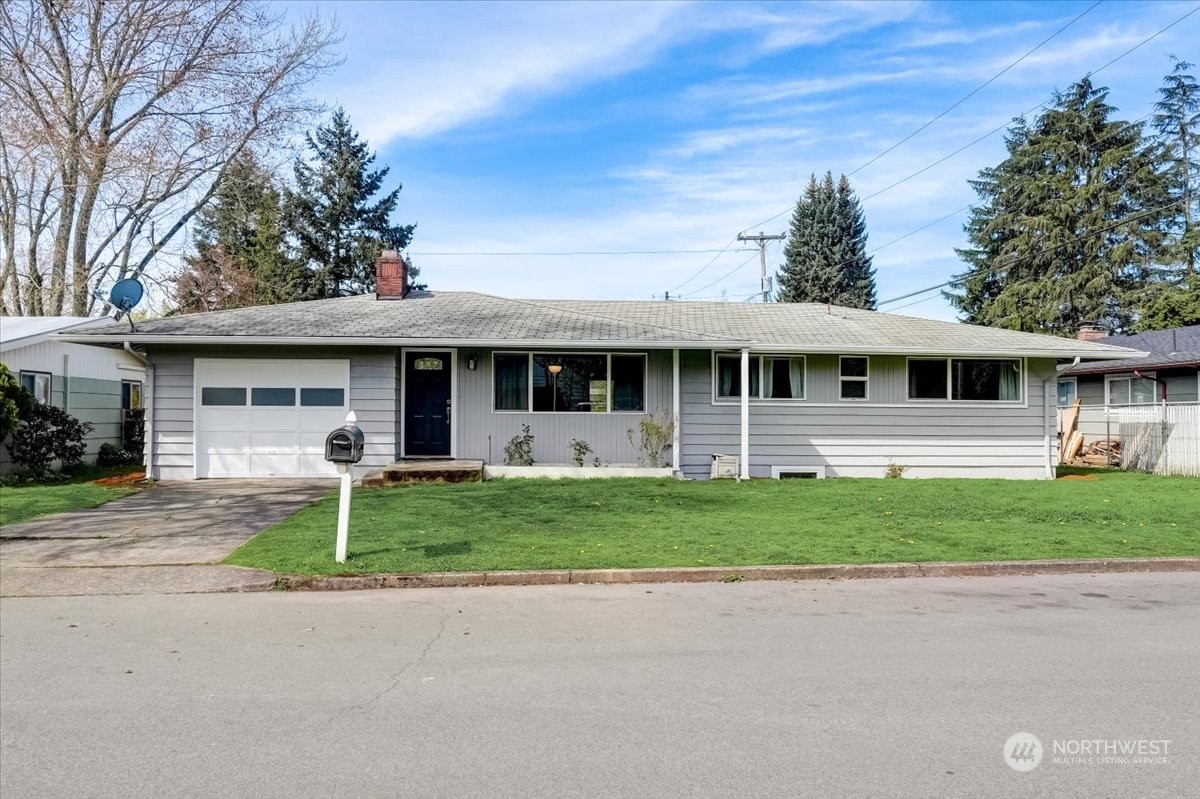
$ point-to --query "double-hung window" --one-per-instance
(772, 377)
(853, 373)
(569, 382)
(965, 379)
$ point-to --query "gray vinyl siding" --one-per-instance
(89, 400)
(1182, 385)
(372, 398)
(860, 438)
(481, 432)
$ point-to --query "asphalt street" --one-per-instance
(872, 688)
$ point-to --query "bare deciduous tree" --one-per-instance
(118, 119)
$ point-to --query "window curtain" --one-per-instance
(768, 376)
(1010, 388)
(725, 370)
(796, 377)
(512, 385)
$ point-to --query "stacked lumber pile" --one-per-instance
(1072, 440)
(1100, 453)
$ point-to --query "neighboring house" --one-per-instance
(91, 384)
(789, 389)
(1171, 372)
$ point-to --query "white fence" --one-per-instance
(1163, 438)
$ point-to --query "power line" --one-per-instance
(979, 88)
(1018, 258)
(704, 268)
(576, 252)
(1004, 126)
(720, 279)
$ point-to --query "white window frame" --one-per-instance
(757, 398)
(1022, 401)
(866, 379)
(1074, 391)
(37, 375)
(608, 356)
(1130, 376)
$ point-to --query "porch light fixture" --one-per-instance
(471, 363)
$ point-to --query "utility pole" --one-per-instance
(762, 240)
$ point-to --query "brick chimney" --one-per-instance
(391, 276)
(1091, 333)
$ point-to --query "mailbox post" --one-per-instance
(344, 447)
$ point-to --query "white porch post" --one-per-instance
(676, 405)
(744, 469)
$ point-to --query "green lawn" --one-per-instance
(580, 524)
(19, 504)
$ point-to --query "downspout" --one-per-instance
(1163, 383)
(1049, 452)
(744, 465)
(66, 381)
(677, 418)
(148, 412)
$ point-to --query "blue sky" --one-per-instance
(601, 127)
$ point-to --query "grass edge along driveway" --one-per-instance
(636, 523)
(23, 503)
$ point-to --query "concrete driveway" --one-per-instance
(172, 524)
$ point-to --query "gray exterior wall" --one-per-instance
(1182, 385)
(859, 439)
(481, 432)
(372, 397)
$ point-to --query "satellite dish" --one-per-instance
(125, 294)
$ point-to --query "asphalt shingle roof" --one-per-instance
(472, 317)
(1176, 347)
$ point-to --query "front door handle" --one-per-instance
(447, 411)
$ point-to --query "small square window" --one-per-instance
(39, 384)
(853, 373)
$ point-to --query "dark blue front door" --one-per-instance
(427, 403)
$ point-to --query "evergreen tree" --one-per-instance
(338, 224)
(1064, 234)
(825, 258)
(240, 258)
(1177, 122)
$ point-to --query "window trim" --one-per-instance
(36, 373)
(866, 379)
(761, 356)
(1075, 392)
(1022, 402)
(131, 384)
(608, 356)
(1108, 381)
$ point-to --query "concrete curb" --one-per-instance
(712, 574)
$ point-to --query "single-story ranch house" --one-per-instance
(787, 389)
(1171, 372)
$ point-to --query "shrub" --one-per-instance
(47, 434)
(579, 451)
(15, 402)
(656, 434)
(112, 455)
(519, 449)
(894, 471)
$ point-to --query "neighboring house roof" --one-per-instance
(22, 331)
(1176, 347)
(471, 319)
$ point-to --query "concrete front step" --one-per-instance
(426, 471)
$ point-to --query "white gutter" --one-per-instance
(1051, 471)
(148, 407)
(1115, 353)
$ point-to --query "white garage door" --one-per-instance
(267, 418)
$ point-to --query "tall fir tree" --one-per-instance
(825, 258)
(339, 224)
(1067, 229)
(240, 256)
(1172, 295)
